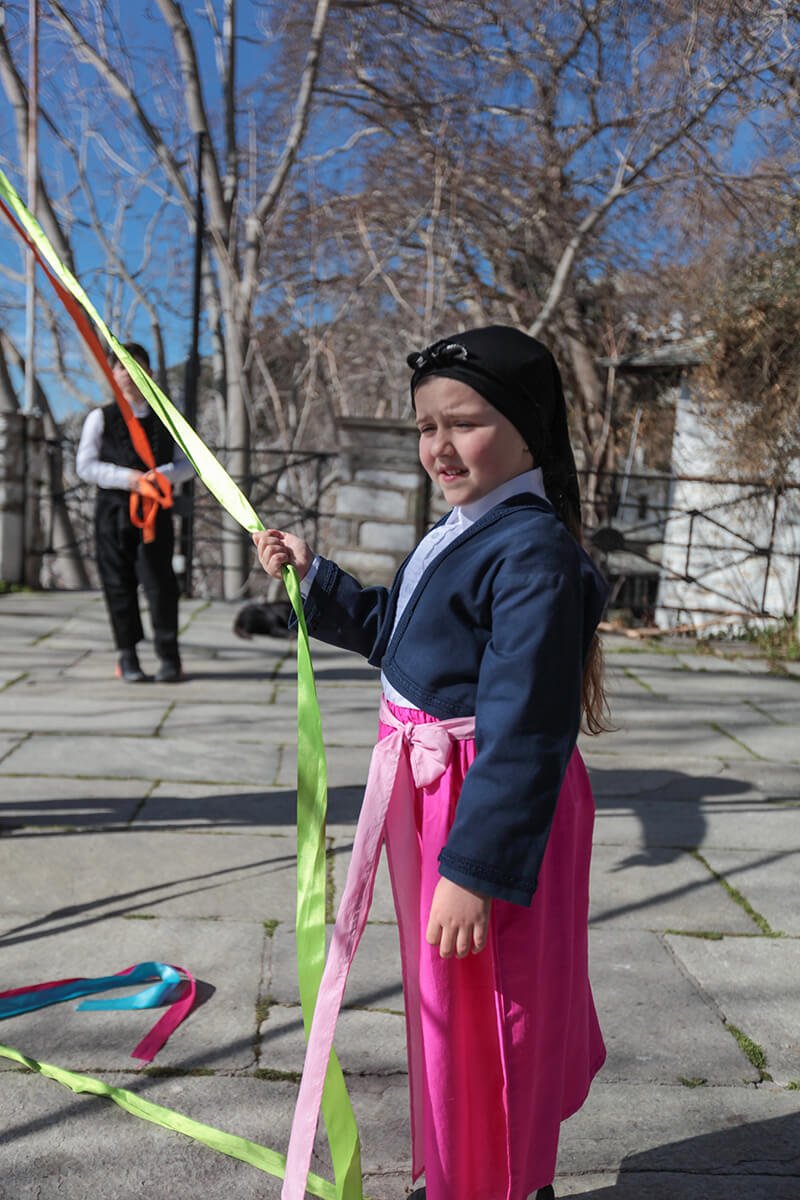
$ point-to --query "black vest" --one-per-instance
(116, 445)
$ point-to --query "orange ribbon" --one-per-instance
(155, 490)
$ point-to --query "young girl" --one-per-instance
(486, 643)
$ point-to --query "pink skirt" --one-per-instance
(502, 1045)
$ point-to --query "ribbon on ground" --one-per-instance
(269, 1161)
(337, 1110)
(40, 995)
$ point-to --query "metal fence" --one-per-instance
(692, 547)
(287, 488)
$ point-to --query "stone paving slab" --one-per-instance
(382, 906)
(775, 781)
(93, 876)
(755, 983)
(250, 721)
(60, 711)
(674, 684)
(347, 766)
(635, 977)
(717, 1131)
(31, 803)
(694, 779)
(8, 744)
(767, 878)
(717, 664)
(86, 1146)
(212, 858)
(374, 980)
(367, 1041)
(152, 758)
(665, 890)
(724, 825)
(673, 1185)
(777, 743)
(637, 775)
(218, 1034)
(262, 810)
(674, 739)
(269, 723)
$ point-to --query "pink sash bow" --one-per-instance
(414, 755)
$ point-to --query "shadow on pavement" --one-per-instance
(758, 1160)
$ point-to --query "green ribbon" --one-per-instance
(266, 1160)
(340, 1122)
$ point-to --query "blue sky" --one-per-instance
(101, 136)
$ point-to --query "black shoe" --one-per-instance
(546, 1193)
(417, 1194)
(170, 671)
(128, 668)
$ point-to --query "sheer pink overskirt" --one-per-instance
(503, 1045)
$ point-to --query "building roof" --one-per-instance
(669, 356)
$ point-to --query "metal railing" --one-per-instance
(287, 488)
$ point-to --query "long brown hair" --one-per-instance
(594, 699)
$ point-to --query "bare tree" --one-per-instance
(152, 147)
(538, 148)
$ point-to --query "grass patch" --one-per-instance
(263, 1005)
(793, 1085)
(192, 616)
(708, 935)
(692, 1081)
(273, 1076)
(270, 926)
(167, 714)
(8, 589)
(779, 643)
(641, 682)
(737, 897)
(751, 1050)
(724, 732)
(10, 682)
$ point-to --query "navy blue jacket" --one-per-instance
(498, 627)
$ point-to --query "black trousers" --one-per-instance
(124, 561)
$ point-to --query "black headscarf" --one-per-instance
(519, 377)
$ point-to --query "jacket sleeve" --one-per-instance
(340, 611)
(528, 712)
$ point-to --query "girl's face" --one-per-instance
(465, 444)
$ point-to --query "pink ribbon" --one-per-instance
(412, 756)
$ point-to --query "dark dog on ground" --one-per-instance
(267, 618)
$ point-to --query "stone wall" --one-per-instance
(12, 497)
(382, 504)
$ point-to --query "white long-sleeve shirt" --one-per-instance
(93, 469)
(435, 541)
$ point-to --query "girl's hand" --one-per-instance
(459, 920)
(276, 548)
